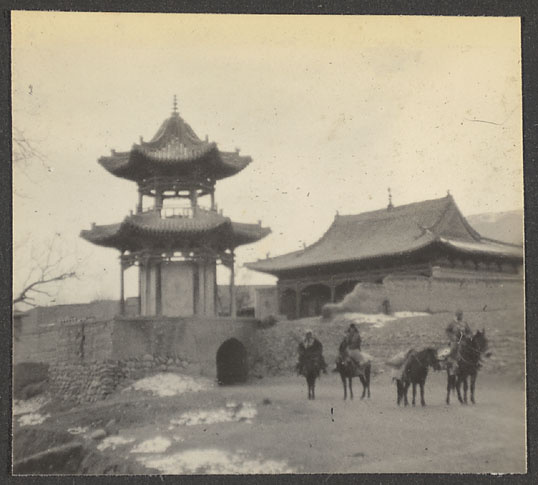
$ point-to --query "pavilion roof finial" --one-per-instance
(174, 106)
(390, 206)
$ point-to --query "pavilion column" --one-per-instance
(158, 200)
(297, 301)
(194, 201)
(122, 287)
(140, 198)
(233, 310)
(213, 200)
(140, 288)
(158, 289)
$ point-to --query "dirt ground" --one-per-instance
(328, 435)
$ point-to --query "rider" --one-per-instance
(310, 348)
(456, 330)
(350, 348)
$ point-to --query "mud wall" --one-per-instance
(448, 295)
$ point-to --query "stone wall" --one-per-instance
(190, 339)
(85, 382)
(89, 359)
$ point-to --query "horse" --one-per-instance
(468, 363)
(415, 372)
(310, 369)
(348, 370)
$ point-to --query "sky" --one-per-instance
(333, 110)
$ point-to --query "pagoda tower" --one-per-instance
(176, 241)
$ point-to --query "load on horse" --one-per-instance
(411, 368)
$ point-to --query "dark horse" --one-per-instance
(311, 369)
(349, 370)
(415, 372)
(468, 363)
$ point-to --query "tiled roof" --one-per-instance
(382, 233)
(175, 150)
(148, 229)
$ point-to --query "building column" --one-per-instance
(158, 200)
(233, 310)
(122, 287)
(158, 289)
(333, 292)
(297, 301)
(148, 287)
(139, 287)
(140, 199)
(213, 200)
(194, 201)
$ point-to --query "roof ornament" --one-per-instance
(174, 106)
(390, 206)
(448, 194)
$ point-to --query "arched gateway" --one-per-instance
(232, 362)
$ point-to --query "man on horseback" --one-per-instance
(456, 330)
(350, 348)
(310, 349)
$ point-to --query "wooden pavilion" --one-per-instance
(176, 247)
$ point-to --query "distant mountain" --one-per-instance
(503, 226)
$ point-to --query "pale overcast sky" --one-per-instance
(332, 109)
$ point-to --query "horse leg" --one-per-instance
(458, 388)
(449, 385)
(465, 390)
(422, 402)
(367, 377)
(351, 388)
(345, 386)
(405, 389)
(314, 389)
(399, 393)
(473, 381)
(363, 382)
(414, 392)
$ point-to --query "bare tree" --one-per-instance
(47, 269)
(24, 150)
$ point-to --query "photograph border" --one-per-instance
(527, 10)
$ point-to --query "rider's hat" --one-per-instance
(459, 314)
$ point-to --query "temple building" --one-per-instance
(429, 239)
(176, 242)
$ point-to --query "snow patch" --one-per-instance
(113, 441)
(213, 461)
(78, 430)
(32, 419)
(158, 444)
(378, 320)
(29, 405)
(245, 411)
(170, 384)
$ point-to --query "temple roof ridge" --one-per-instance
(381, 233)
(175, 151)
